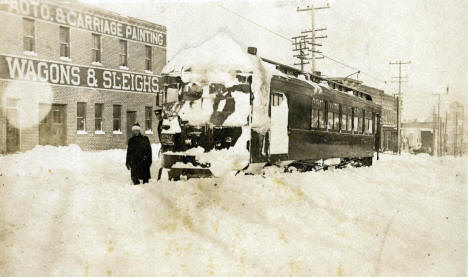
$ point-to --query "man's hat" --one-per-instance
(136, 126)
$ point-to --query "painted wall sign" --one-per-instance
(19, 68)
(82, 20)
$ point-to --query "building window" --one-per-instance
(97, 48)
(117, 118)
(148, 58)
(81, 117)
(123, 52)
(29, 35)
(98, 108)
(64, 41)
(148, 118)
(57, 116)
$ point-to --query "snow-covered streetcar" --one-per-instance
(226, 110)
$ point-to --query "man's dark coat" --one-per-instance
(139, 158)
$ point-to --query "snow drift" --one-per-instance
(65, 212)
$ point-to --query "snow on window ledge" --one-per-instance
(148, 132)
(117, 132)
(66, 59)
(30, 53)
(81, 132)
(99, 132)
(97, 63)
(148, 72)
(123, 67)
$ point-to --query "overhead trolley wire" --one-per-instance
(288, 39)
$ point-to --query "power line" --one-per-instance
(251, 21)
(288, 39)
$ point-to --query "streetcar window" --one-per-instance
(371, 123)
(349, 124)
(336, 116)
(366, 121)
(322, 119)
(344, 117)
(330, 116)
(276, 99)
(317, 114)
(172, 95)
(360, 122)
(356, 120)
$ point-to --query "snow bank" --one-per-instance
(405, 216)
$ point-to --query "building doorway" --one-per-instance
(131, 119)
(52, 128)
(12, 131)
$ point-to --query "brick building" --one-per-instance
(389, 120)
(74, 74)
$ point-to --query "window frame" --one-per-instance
(355, 129)
(319, 106)
(31, 37)
(148, 120)
(82, 117)
(123, 53)
(117, 119)
(148, 59)
(96, 50)
(65, 43)
(97, 117)
(276, 99)
(336, 117)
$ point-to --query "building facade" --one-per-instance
(389, 119)
(74, 74)
(418, 137)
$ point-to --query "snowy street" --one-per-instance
(65, 212)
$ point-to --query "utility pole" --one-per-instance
(462, 147)
(400, 80)
(313, 37)
(300, 46)
(456, 133)
(438, 127)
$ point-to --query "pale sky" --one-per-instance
(365, 34)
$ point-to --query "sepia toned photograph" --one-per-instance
(233, 138)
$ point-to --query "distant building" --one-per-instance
(75, 74)
(389, 138)
(444, 136)
(451, 140)
(418, 137)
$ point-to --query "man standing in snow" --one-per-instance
(158, 113)
(139, 156)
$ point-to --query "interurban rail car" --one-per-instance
(273, 115)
